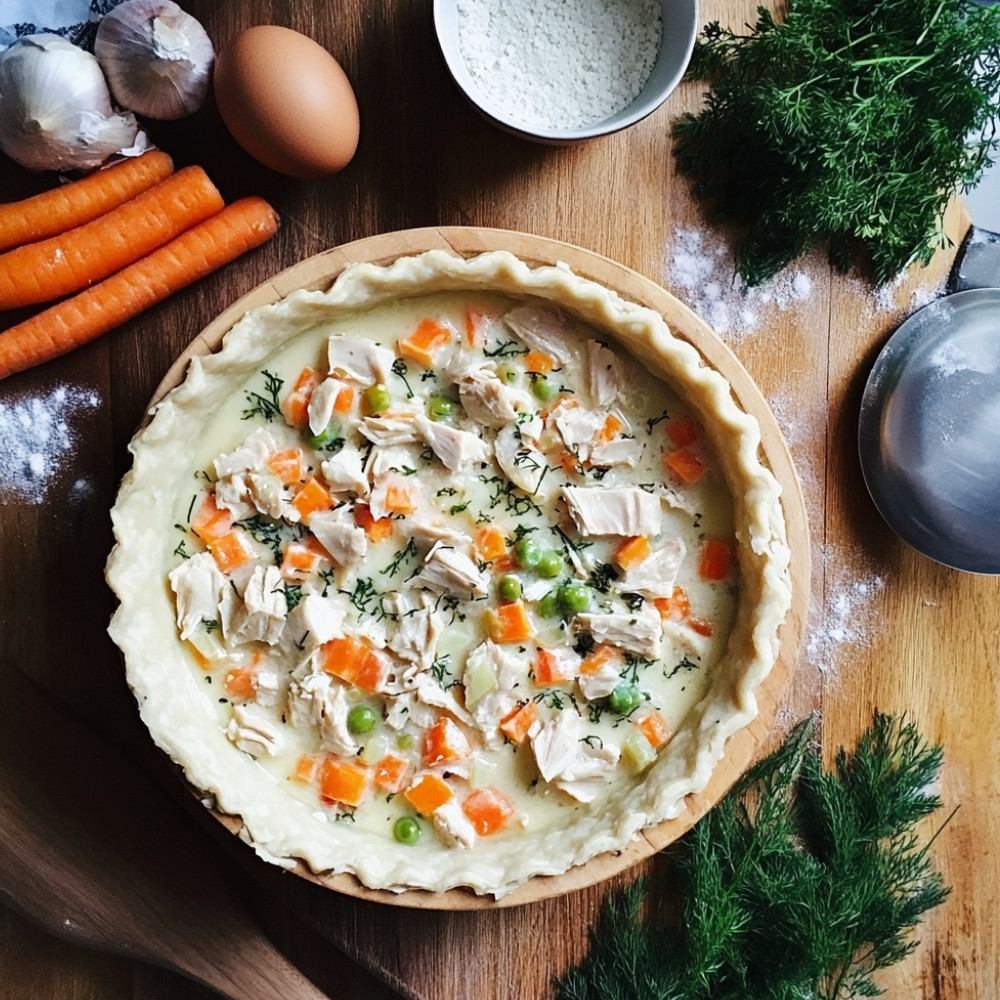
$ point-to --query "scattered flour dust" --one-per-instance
(37, 436)
(846, 618)
(553, 64)
(702, 268)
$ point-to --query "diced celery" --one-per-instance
(375, 749)
(483, 773)
(207, 644)
(637, 752)
(479, 680)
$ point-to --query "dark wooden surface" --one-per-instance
(920, 639)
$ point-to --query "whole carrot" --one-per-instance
(195, 253)
(70, 205)
(63, 264)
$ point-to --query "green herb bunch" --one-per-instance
(799, 885)
(850, 122)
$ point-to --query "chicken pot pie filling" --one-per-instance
(455, 574)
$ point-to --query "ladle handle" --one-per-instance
(977, 263)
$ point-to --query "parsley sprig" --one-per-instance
(800, 883)
(846, 123)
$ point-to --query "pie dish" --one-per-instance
(456, 574)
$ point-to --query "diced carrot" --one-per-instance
(682, 431)
(286, 465)
(632, 551)
(424, 343)
(538, 363)
(295, 406)
(89, 314)
(343, 781)
(653, 726)
(350, 659)
(597, 658)
(546, 668)
(612, 425)
(210, 521)
(344, 401)
(400, 498)
(504, 563)
(477, 320)
(510, 623)
(240, 683)
(515, 724)
(390, 773)
(715, 558)
(685, 464)
(487, 810)
(231, 550)
(298, 561)
(312, 498)
(445, 743)
(676, 607)
(490, 543)
(306, 768)
(569, 463)
(701, 626)
(376, 529)
(428, 793)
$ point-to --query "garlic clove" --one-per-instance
(157, 58)
(55, 109)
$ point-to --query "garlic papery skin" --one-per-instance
(157, 58)
(55, 109)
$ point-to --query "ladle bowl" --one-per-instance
(929, 431)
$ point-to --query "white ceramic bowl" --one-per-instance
(679, 30)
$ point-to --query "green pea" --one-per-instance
(543, 389)
(326, 439)
(509, 588)
(527, 552)
(361, 719)
(507, 373)
(624, 699)
(548, 606)
(573, 598)
(550, 564)
(406, 830)
(378, 398)
(440, 408)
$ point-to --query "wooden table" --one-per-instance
(887, 628)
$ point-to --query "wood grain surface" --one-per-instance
(886, 628)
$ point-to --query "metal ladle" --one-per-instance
(929, 428)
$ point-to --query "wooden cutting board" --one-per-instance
(885, 627)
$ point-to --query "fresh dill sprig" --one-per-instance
(799, 884)
(846, 124)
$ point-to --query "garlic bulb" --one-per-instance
(157, 58)
(55, 109)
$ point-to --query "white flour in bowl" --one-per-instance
(559, 63)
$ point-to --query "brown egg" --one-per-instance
(287, 101)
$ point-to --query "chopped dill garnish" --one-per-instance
(505, 349)
(264, 404)
(685, 664)
(399, 368)
(402, 556)
(274, 534)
